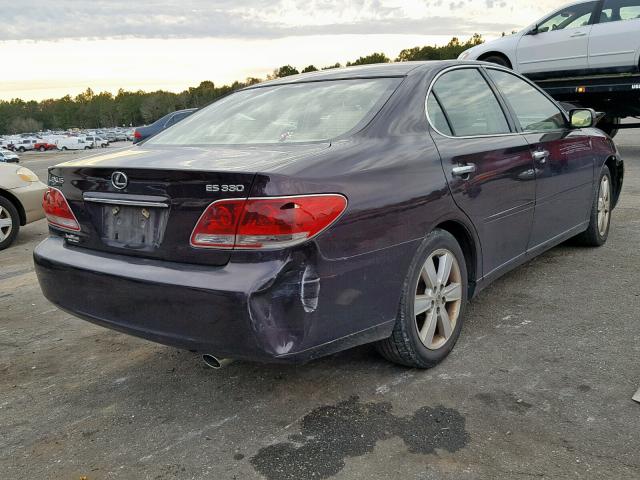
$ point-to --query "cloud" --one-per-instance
(250, 19)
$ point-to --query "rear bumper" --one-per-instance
(279, 310)
(186, 306)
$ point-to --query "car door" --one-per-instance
(559, 43)
(488, 166)
(563, 159)
(614, 42)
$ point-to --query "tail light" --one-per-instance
(137, 135)
(57, 210)
(266, 223)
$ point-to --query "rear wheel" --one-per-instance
(42, 149)
(9, 223)
(21, 149)
(431, 306)
(64, 149)
(600, 219)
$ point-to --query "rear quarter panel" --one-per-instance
(392, 177)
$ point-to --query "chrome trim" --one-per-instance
(541, 156)
(426, 110)
(486, 66)
(119, 180)
(463, 170)
(132, 203)
(624, 52)
(558, 59)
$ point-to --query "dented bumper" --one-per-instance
(278, 310)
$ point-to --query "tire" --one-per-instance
(64, 149)
(597, 233)
(42, 149)
(8, 233)
(21, 149)
(498, 60)
(405, 346)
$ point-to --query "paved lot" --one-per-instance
(539, 386)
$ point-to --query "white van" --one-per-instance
(72, 143)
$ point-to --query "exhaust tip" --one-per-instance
(215, 362)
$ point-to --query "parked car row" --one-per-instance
(77, 139)
(54, 142)
(72, 139)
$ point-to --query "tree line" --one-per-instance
(99, 110)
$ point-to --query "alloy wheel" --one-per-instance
(604, 205)
(438, 299)
(6, 224)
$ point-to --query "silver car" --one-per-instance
(7, 156)
(21, 195)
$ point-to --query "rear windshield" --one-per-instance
(300, 112)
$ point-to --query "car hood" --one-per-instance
(271, 158)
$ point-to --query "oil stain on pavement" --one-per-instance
(330, 434)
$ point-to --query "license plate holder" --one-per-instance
(135, 227)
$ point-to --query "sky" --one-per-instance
(53, 48)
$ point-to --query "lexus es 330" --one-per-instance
(310, 214)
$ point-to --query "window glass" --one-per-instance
(533, 110)
(289, 113)
(470, 104)
(160, 122)
(575, 16)
(177, 117)
(436, 115)
(172, 120)
(617, 10)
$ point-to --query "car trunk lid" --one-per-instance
(152, 216)
(146, 202)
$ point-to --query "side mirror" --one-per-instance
(582, 117)
(533, 31)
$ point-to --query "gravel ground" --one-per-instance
(539, 385)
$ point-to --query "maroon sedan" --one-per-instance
(310, 214)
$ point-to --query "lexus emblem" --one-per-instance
(119, 180)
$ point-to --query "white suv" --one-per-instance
(24, 144)
(584, 38)
(96, 142)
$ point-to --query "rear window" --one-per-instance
(293, 113)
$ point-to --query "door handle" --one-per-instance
(463, 170)
(578, 34)
(541, 156)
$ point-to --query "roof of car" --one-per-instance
(399, 69)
